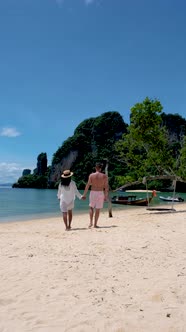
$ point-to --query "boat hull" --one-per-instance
(129, 201)
(171, 199)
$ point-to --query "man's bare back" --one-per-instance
(98, 181)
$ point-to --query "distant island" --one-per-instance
(6, 185)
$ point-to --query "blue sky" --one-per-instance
(63, 61)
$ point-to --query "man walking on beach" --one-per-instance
(98, 194)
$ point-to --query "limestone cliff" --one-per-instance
(93, 140)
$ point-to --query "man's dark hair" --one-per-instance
(100, 165)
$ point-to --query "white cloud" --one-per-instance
(9, 132)
(10, 172)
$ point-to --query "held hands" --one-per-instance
(83, 198)
(106, 198)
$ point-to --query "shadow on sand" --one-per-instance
(163, 211)
(87, 228)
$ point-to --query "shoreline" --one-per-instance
(115, 209)
(128, 275)
(84, 211)
(35, 217)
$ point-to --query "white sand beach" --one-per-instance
(127, 276)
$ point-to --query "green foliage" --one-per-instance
(41, 164)
(144, 148)
(176, 126)
(63, 150)
(93, 140)
(153, 144)
(32, 181)
(182, 165)
(26, 172)
(39, 178)
(85, 127)
(121, 179)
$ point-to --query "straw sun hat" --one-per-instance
(67, 174)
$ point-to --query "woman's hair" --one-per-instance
(65, 181)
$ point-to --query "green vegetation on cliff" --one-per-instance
(39, 178)
(94, 139)
(153, 143)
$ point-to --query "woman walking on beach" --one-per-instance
(67, 192)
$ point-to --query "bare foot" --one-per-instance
(95, 226)
(90, 226)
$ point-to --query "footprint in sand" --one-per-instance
(157, 298)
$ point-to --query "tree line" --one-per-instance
(153, 143)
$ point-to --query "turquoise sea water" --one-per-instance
(25, 204)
